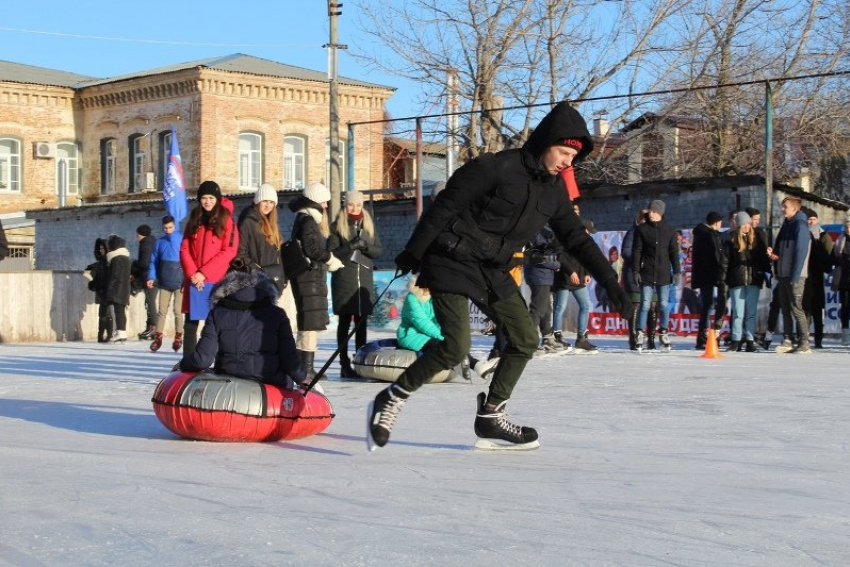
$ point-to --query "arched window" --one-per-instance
(250, 161)
(10, 165)
(67, 168)
(294, 162)
(108, 173)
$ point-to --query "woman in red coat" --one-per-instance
(210, 243)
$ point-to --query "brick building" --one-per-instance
(240, 120)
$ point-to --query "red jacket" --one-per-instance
(206, 253)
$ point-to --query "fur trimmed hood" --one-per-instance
(246, 287)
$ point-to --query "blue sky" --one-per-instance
(287, 31)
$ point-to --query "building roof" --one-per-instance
(240, 63)
(435, 148)
(235, 63)
(28, 74)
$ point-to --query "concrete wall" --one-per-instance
(55, 306)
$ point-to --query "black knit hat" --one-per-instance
(713, 217)
(210, 188)
(144, 230)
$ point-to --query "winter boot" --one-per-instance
(382, 413)
(495, 432)
(550, 344)
(664, 338)
(766, 340)
(559, 337)
(307, 359)
(584, 346)
(148, 333)
(702, 339)
(345, 369)
(734, 346)
(157, 342)
(845, 337)
(802, 348)
(786, 346)
(178, 342)
(650, 338)
(633, 333)
(104, 330)
(119, 337)
(751, 346)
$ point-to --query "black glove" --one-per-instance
(533, 257)
(619, 299)
(358, 244)
(406, 262)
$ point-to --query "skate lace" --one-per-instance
(390, 412)
(507, 426)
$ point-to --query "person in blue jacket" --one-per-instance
(246, 334)
(791, 257)
(166, 273)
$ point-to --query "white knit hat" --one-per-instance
(317, 192)
(353, 197)
(265, 193)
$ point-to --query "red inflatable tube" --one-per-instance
(210, 407)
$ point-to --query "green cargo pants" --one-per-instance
(452, 312)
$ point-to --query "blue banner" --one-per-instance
(174, 188)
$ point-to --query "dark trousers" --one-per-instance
(452, 312)
(707, 301)
(120, 316)
(844, 314)
(342, 330)
(541, 308)
(791, 302)
(190, 335)
(151, 307)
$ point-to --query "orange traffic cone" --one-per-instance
(711, 346)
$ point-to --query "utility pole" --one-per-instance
(334, 167)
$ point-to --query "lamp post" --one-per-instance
(334, 167)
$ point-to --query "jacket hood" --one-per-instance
(97, 244)
(302, 202)
(227, 204)
(115, 242)
(250, 213)
(703, 228)
(246, 287)
(563, 121)
(112, 254)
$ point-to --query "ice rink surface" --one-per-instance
(654, 459)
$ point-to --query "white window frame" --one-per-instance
(343, 170)
(139, 155)
(10, 166)
(108, 163)
(294, 162)
(250, 161)
(72, 163)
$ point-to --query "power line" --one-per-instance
(617, 96)
(161, 42)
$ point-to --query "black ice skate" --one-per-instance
(381, 415)
(496, 433)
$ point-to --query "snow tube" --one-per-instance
(212, 407)
(383, 360)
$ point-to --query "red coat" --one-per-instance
(206, 253)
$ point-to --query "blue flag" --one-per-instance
(174, 189)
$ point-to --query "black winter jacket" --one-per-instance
(142, 265)
(310, 288)
(707, 249)
(492, 206)
(118, 259)
(569, 266)
(743, 268)
(246, 334)
(353, 285)
(627, 251)
(656, 251)
(254, 249)
(99, 272)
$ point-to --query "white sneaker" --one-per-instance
(486, 367)
(119, 337)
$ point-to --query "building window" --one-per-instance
(10, 165)
(294, 160)
(343, 172)
(138, 146)
(67, 168)
(108, 174)
(164, 152)
(250, 161)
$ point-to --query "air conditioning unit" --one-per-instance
(44, 150)
(146, 181)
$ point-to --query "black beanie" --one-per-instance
(210, 188)
(144, 230)
(713, 217)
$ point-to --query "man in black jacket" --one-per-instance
(706, 272)
(140, 277)
(656, 259)
(463, 247)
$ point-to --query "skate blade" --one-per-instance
(482, 444)
(370, 443)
